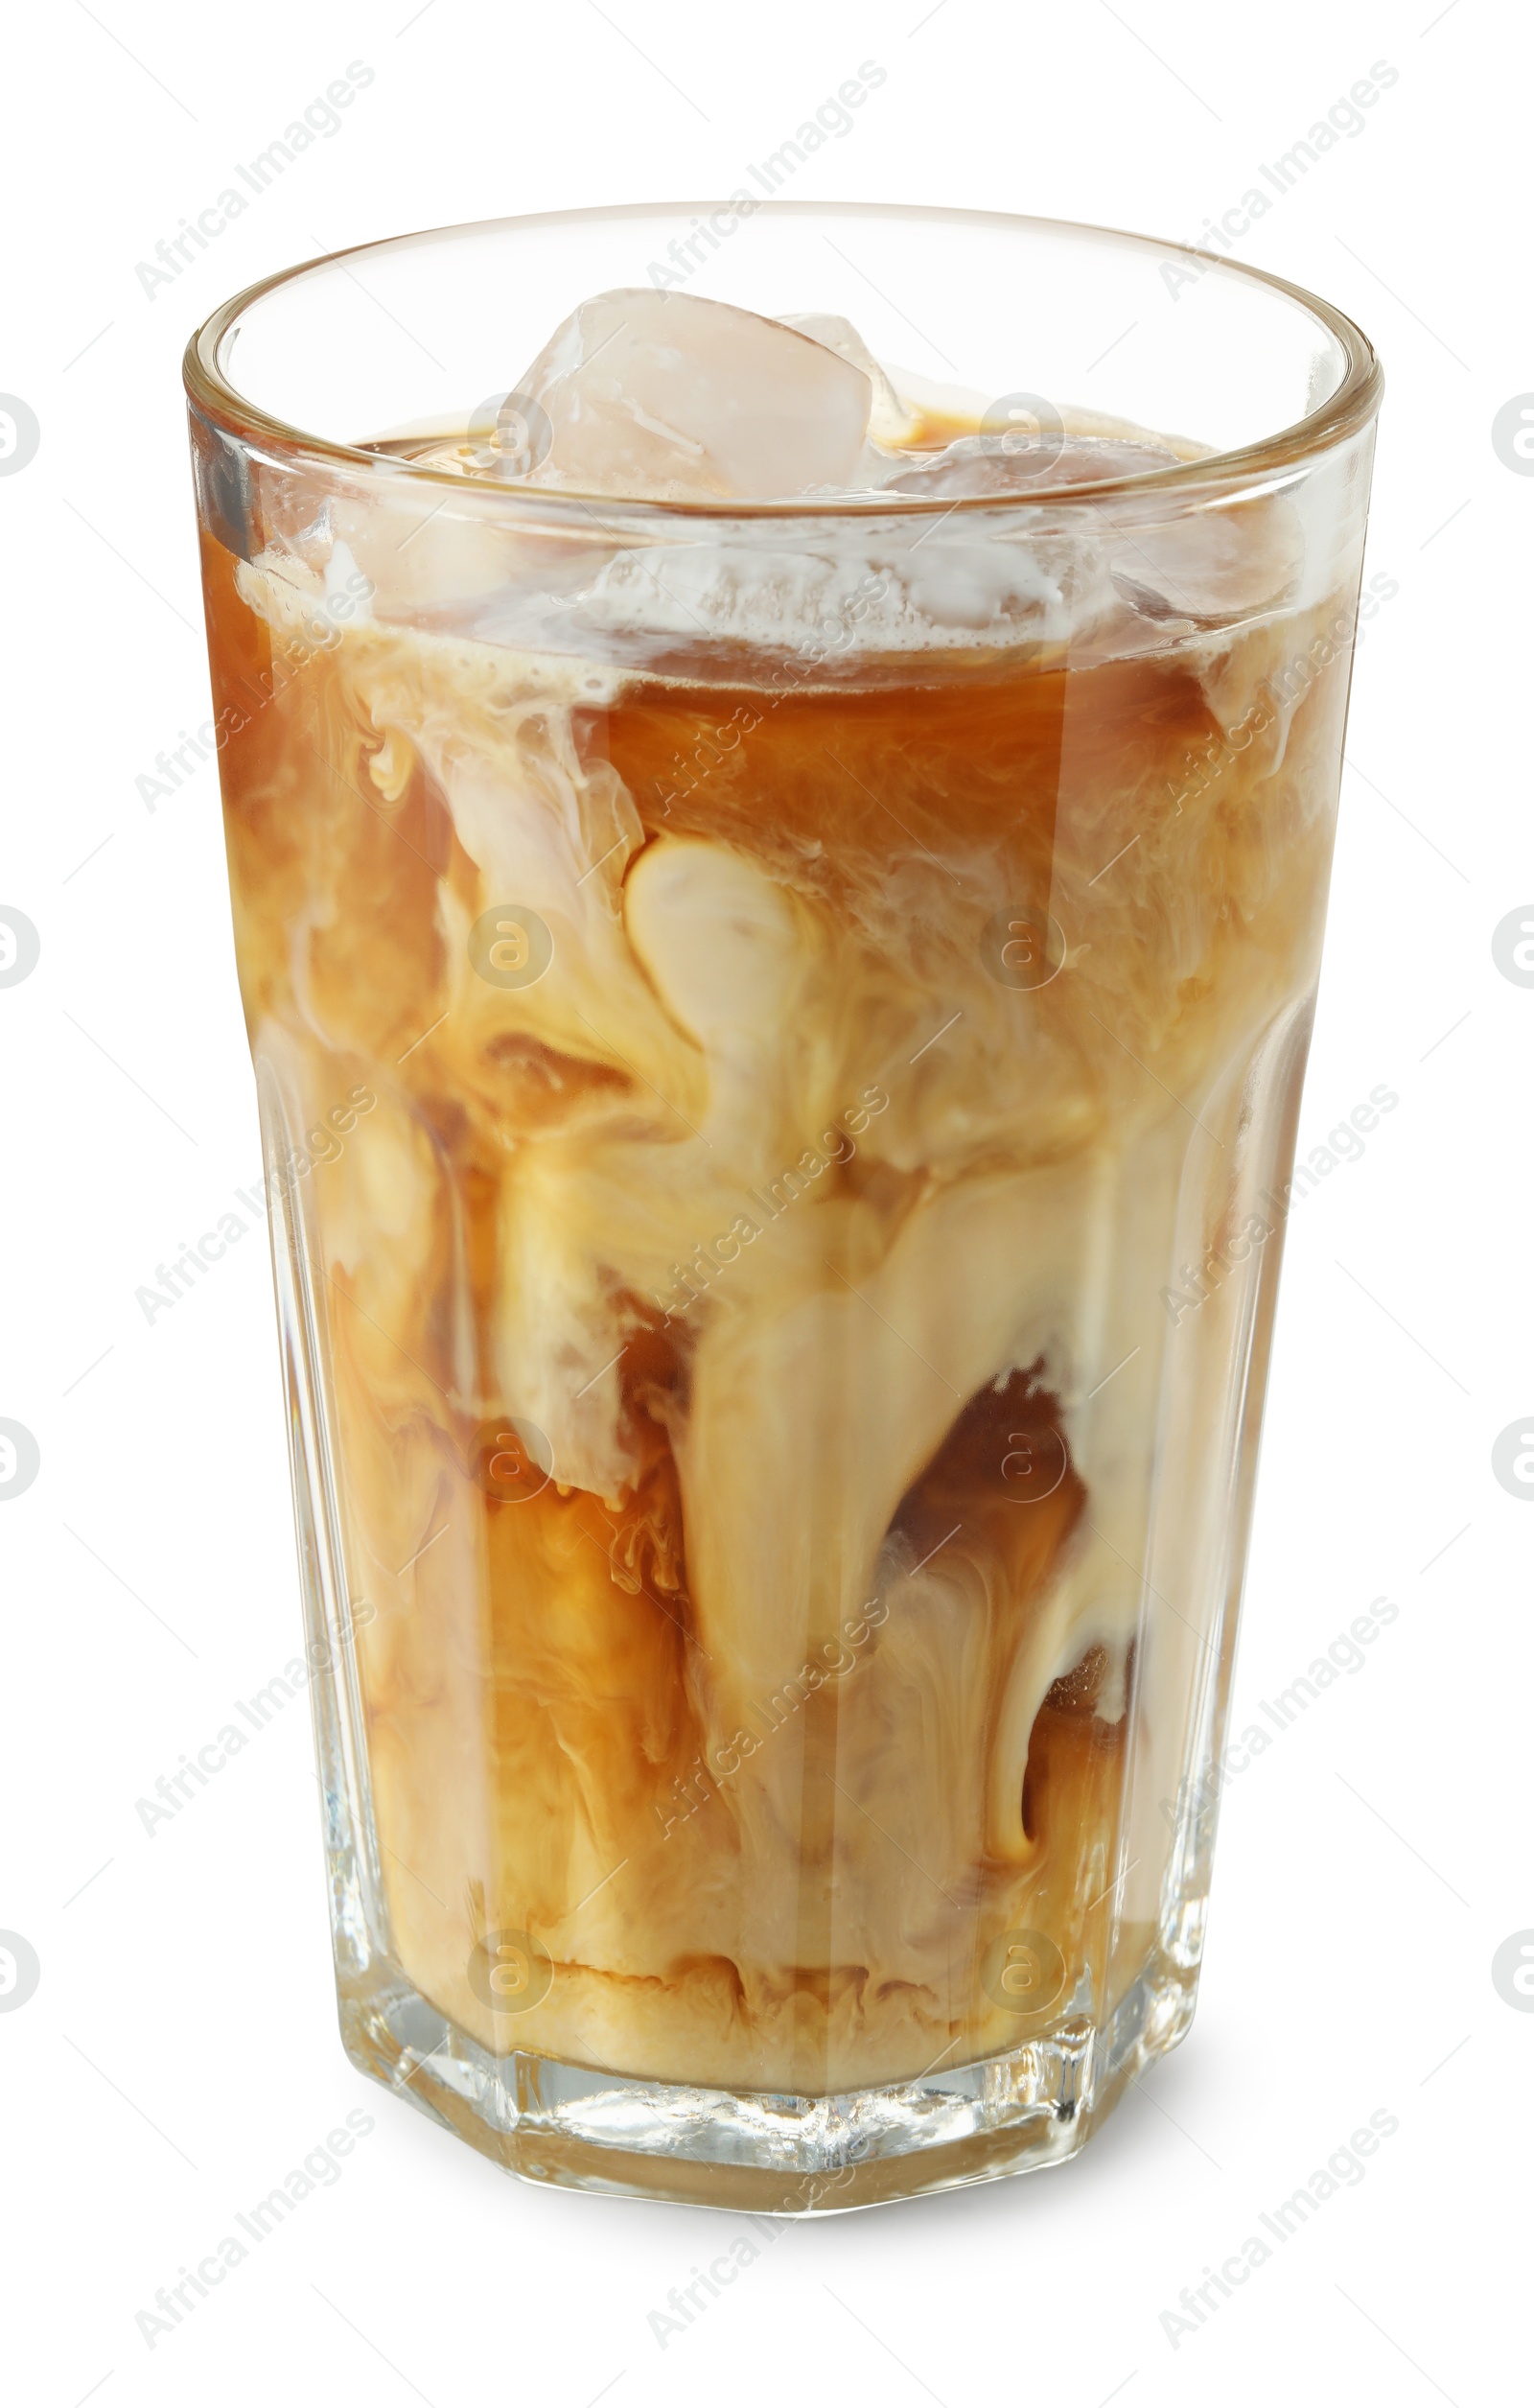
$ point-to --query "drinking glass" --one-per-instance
(778, 1027)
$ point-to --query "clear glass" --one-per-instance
(778, 1117)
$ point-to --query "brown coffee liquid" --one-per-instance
(775, 1840)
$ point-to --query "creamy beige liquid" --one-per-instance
(746, 1336)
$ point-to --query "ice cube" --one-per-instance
(663, 396)
(1213, 567)
(1013, 461)
(891, 422)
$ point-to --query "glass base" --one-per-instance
(768, 2153)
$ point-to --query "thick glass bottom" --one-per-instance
(759, 2152)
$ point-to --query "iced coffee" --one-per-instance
(823, 873)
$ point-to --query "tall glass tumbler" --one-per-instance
(778, 1027)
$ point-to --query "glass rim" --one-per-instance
(1349, 407)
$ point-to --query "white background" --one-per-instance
(181, 2053)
